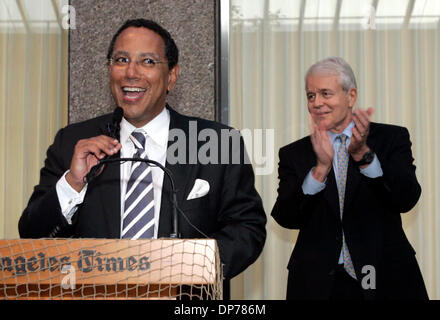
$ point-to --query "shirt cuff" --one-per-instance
(68, 197)
(373, 170)
(312, 186)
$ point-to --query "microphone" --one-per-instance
(113, 129)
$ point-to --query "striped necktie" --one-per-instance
(138, 218)
(342, 160)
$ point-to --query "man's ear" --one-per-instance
(172, 77)
(352, 97)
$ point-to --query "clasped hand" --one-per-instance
(323, 146)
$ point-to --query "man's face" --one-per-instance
(138, 85)
(329, 105)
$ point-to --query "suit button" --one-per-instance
(332, 272)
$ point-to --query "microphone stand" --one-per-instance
(113, 131)
(175, 225)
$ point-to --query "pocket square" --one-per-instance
(200, 188)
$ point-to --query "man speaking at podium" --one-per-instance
(132, 200)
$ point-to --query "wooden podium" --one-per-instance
(110, 269)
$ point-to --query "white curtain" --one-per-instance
(393, 48)
(33, 100)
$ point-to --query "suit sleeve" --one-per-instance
(42, 217)
(398, 187)
(242, 219)
(292, 205)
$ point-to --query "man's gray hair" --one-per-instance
(334, 66)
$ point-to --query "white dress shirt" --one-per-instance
(156, 132)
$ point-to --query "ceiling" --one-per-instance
(341, 14)
(31, 15)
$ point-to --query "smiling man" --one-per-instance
(344, 187)
(132, 201)
(140, 88)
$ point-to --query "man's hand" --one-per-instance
(87, 153)
(358, 145)
(323, 149)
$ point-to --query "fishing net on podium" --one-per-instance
(110, 269)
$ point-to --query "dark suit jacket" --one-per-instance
(231, 212)
(371, 220)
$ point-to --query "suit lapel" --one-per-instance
(331, 194)
(331, 190)
(110, 194)
(353, 179)
(181, 173)
(354, 174)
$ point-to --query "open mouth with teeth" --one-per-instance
(133, 93)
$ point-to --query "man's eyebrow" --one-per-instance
(141, 55)
(326, 89)
(120, 52)
(318, 90)
(149, 54)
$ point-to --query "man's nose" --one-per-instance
(317, 102)
(132, 71)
